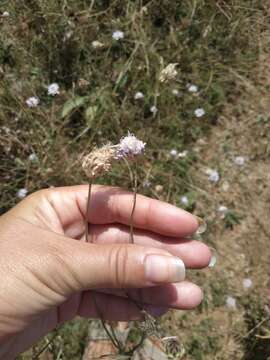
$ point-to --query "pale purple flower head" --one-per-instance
(231, 302)
(32, 102)
(130, 146)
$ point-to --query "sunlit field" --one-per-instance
(76, 74)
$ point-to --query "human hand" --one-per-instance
(49, 273)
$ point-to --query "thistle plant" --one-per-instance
(98, 162)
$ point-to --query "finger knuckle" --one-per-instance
(118, 263)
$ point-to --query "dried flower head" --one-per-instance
(168, 73)
(130, 146)
(99, 161)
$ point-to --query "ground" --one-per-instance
(221, 47)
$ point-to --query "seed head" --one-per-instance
(168, 73)
(99, 161)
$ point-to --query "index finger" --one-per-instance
(114, 205)
(65, 207)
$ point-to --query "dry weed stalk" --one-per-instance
(98, 162)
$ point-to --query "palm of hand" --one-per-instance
(157, 225)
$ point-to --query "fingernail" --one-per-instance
(202, 226)
(164, 269)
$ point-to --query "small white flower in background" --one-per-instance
(173, 152)
(33, 157)
(182, 154)
(231, 302)
(5, 14)
(193, 88)
(175, 92)
(239, 160)
(118, 35)
(97, 44)
(247, 283)
(213, 175)
(213, 261)
(154, 110)
(32, 102)
(184, 200)
(53, 89)
(22, 193)
(200, 112)
(168, 73)
(146, 184)
(130, 146)
(222, 210)
(159, 189)
(225, 186)
(68, 35)
(139, 95)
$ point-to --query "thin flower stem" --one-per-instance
(134, 179)
(45, 347)
(88, 210)
(134, 204)
(111, 335)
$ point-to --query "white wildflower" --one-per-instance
(5, 14)
(193, 88)
(175, 92)
(118, 35)
(184, 200)
(239, 160)
(32, 102)
(182, 154)
(168, 73)
(213, 261)
(53, 89)
(146, 184)
(33, 157)
(97, 44)
(154, 110)
(231, 302)
(22, 193)
(225, 186)
(213, 175)
(159, 188)
(200, 112)
(139, 95)
(173, 152)
(247, 283)
(129, 146)
(222, 210)
(68, 35)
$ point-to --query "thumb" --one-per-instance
(91, 266)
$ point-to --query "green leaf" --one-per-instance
(73, 104)
(90, 114)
